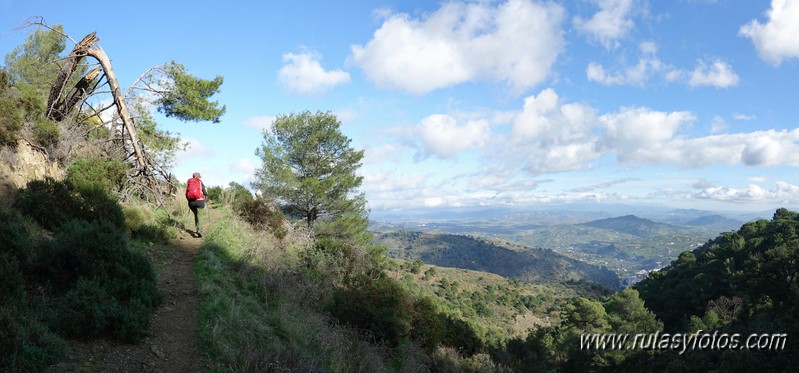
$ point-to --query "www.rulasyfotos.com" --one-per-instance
(682, 342)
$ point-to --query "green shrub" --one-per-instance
(379, 306)
(12, 285)
(48, 202)
(46, 132)
(14, 236)
(214, 193)
(31, 101)
(112, 286)
(25, 343)
(236, 193)
(141, 223)
(261, 216)
(108, 174)
(52, 203)
(11, 121)
(85, 311)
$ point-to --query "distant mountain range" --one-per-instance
(502, 258)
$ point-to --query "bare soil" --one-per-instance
(172, 343)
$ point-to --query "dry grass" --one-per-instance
(259, 312)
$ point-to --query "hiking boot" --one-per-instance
(199, 234)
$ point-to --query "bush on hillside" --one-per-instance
(11, 120)
(379, 306)
(25, 343)
(12, 285)
(53, 203)
(108, 174)
(141, 223)
(111, 286)
(214, 193)
(46, 132)
(14, 236)
(260, 215)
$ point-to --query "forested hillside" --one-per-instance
(741, 284)
(505, 259)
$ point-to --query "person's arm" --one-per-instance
(205, 193)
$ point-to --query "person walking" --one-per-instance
(195, 194)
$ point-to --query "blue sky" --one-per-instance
(688, 103)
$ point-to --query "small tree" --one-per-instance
(309, 167)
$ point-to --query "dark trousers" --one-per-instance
(193, 206)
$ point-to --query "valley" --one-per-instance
(630, 245)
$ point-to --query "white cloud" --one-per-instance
(345, 115)
(609, 24)
(776, 39)
(382, 153)
(464, 42)
(782, 192)
(703, 184)
(605, 185)
(552, 136)
(639, 74)
(739, 116)
(302, 73)
(718, 125)
(641, 135)
(194, 150)
(758, 179)
(751, 193)
(719, 74)
(443, 137)
(260, 123)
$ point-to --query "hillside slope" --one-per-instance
(505, 259)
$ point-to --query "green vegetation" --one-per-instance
(502, 258)
(319, 295)
(309, 166)
(187, 97)
(79, 280)
(495, 307)
(741, 282)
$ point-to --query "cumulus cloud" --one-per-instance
(609, 24)
(303, 73)
(782, 192)
(515, 42)
(775, 40)
(260, 123)
(549, 135)
(443, 137)
(642, 135)
(718, 74)
(553, 136)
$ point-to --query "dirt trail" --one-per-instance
(172, 343)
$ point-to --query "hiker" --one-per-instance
(195, 193)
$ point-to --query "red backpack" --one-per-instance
(194, 189)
